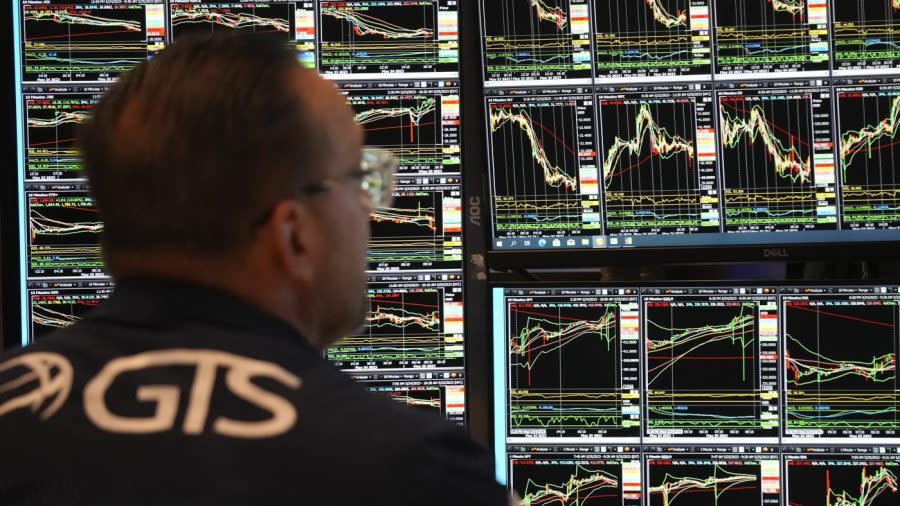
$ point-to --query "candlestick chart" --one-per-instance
(540, 153)
(373, 37)
(834, 387)
(768, 162)
(774, 35)
(650, 169)
(645, 39)
(689, 343)
(51, 134)
(713, 483)
(535, 39)
(568, 483)
(869, 120)
(865, 36)
(842, 483)
(260, 17)
(87, 42)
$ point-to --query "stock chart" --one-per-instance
(658, 164)
(777, 36)
(276, 18)
(868, 119)
(652, 39)
(777, 158)
(818, 476)
(370, 38)
(412, 323)
(690, 338)
(85, 41)
(835, 390)
(542, 152)
(51, 123)
(865, 36)
(543, 478)
(56, 305)
(567, 376)
(535, 40)
(712, 476)
(63, 233)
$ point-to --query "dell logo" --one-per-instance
(775, 252)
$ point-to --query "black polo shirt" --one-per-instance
(171, 393)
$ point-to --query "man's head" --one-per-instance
(222, 161)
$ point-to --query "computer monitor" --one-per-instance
(397, 63)
(623, 392)
(711, 128)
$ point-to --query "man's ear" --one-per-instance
(296, 242)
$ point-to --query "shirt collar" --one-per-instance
(155, 299)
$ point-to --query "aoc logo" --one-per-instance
(239, 376)
(40, 381)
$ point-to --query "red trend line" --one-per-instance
(871, 322)
(548, 315)
(51, 142)
(773, 125)
(79, 35)
(631, 167)
(880, 146)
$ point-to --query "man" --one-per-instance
(236, 219)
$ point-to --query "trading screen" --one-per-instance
(396, 61)
(665, 123)
(728, 394)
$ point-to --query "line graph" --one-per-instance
(717, 483)
(566, 373)
(554, 176)
(535, 40)
(421, 128)
(422, 228)
(375, 37)
(63, 233)
(417, 325)
(654, 165)
(543, 168)
(424, 399)
(650, 39)
(689, 340)
(586, 484)
(51, 122)
(833, 387)
(83, 42)
(778, 164)
(837, 482)
(868, 124)
(272, 18)
(774, 35)
(59, 220)
(865, 36)
(58, 308)
(407, 117)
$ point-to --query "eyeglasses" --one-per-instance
(376, 179)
